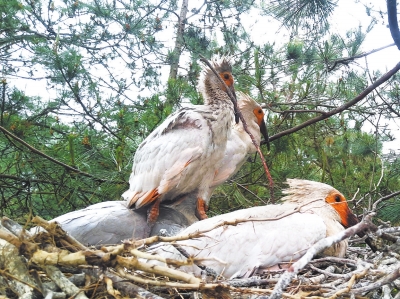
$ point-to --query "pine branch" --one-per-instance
(36, 151)
(347, 59)
(340, 109)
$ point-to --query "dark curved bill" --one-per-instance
(264, 132)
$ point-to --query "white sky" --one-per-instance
(348, 14)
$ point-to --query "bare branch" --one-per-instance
(322, 244)
(342, 108)
(36, 151)
(347, 59)
(393, 24)
(375, 205)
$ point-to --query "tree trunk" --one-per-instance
(179, 40)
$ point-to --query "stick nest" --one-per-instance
(52, 264)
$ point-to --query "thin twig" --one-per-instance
(36, 151)
(154, 239)
(239, 115)
(342, 108)
(375, 205)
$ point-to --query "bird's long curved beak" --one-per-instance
(264, 132)
(236, 110)
(351, 220)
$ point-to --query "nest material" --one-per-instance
(52, 264)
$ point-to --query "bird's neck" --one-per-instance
(253, 128)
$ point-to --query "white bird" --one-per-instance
(112, 221)
(310, 212)
(239, 144)
(183, 153)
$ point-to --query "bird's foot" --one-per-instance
(153, 213)
(201, 208)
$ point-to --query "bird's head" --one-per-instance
(252, 113)
(224, 69)
(339, 203)
(211, 86)
(304, 191)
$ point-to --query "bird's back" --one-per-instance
(240, 250)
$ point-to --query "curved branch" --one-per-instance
(375, 205)
(393, 24)
(346, 59)
(36, 151)
(342, 108)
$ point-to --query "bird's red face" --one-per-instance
(228, 79)
(339, 203)
(259, 114)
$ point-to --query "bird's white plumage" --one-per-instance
(283, 234)
(183, 153)
(239, 144)
(160, 160)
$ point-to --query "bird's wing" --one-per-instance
(236, 251)
(167, 154)
(101, 223)
(234, 157)
(261, 212)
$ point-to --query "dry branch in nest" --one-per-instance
(52, 264)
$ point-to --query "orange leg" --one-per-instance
(153, 212)
(201, 208)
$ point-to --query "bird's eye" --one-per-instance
(337, 198)
(226, 76)
(260, 111)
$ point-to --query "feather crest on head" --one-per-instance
(220, 64)
(245, 100)
(302, 191)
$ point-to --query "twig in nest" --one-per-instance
(238, 115)
(199, 233)
(322, 244)
(67, 286)
(15, 272)
(209, 271)
(110, 289)
(385, 280)
(56, 228)
(350, 284)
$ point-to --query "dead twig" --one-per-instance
(342, 108)
(286, 278)
(238, 115)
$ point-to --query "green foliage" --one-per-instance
(391, 211)
(294, 49)
(304, 14)
(103, 65)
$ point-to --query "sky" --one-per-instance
(348, 14)
(352, 14)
